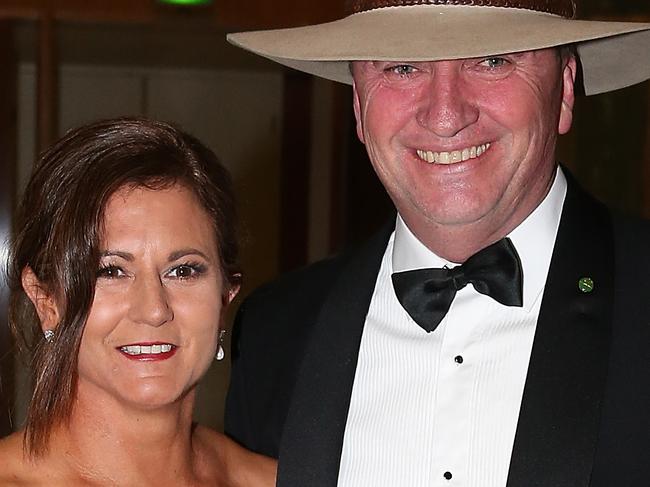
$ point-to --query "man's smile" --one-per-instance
(452, 157)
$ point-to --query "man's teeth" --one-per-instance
(453, 156)
(146, 349)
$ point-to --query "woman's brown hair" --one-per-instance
(57, 233)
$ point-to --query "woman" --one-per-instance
(123, 263)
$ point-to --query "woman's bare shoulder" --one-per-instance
(240, 466)
(14, 470)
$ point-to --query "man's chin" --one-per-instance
(457, 213)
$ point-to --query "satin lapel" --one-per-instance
(310, 450)
(559, 419)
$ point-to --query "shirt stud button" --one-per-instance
(458, 359)
(447, 475)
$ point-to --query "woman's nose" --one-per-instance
(150, 301)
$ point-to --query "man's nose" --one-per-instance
(150, 301)
(447, 107)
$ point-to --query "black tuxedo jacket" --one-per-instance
(585, 414)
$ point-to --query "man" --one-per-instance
(394, 365)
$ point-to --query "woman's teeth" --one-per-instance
(146, 349)
(452, 157)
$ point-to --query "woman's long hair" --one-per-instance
(58, 230)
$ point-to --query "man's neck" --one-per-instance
(457, 242)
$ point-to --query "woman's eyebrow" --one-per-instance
(177, 254)
(117, 253)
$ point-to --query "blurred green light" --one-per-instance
(186, 2)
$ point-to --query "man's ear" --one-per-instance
(44, 302)
(356, 103)
(568, 95)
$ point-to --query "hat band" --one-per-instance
(564, 8)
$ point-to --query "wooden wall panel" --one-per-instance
(85, 10)
(228, 14)
(261, 14)
(8, 138)
(645, 211)
(294, 179)
(47, 83)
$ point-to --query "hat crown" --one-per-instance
(564, 8)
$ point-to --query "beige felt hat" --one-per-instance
(613, 54)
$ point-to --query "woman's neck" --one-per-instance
(112, 442)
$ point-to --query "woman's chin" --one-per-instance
(144, 394)
(152, 396)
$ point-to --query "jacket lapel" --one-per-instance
(310, 449)
(559, 418)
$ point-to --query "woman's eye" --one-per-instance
(110, 272)
(494, 62)
(186, 271)
(402, 69)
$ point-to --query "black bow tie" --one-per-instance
(426, 294)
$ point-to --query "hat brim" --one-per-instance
(613, 54)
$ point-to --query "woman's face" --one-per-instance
(154, 323)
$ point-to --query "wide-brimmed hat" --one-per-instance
(612, 54)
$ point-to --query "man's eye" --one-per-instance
(494, 62)
(110, 272)
(401, 69)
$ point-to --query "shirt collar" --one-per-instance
(534, 239)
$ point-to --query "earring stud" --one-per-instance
(49, 335)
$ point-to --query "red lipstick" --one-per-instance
(148, 351)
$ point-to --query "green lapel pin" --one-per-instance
(586, 284)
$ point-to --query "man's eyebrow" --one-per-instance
(117, 253)
(177, 254)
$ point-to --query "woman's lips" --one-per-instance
(148, 351)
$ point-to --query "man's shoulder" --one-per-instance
(632, 261)
(285, 309)
(305, 281)
(630, 227)
(631, 232)
(631, 241)
(313, 282)
(271, 333)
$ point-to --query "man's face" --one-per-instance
(466, 143)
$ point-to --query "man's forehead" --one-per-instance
(513, 55)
